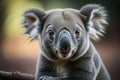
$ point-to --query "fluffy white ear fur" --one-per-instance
(96, 21)
(32, 22)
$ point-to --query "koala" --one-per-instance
(66, 49)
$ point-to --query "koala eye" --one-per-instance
(51, 34)
(77, 34)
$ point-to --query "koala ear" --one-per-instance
(95, 20)
(33, 20)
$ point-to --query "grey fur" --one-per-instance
(82, 62)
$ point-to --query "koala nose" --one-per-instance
(65, 45)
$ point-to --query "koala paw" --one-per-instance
(46, 78)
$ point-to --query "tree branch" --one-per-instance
(15, 76)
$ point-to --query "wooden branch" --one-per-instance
(15, 76)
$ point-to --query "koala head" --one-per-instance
(64, 34)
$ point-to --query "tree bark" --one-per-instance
(15, 76)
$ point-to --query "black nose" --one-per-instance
(65, 45)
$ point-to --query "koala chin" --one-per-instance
(67, 52)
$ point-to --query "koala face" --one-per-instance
(64, 33)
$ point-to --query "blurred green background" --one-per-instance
(18, 53)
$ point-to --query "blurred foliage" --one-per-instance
(2, 12)
(15, 9)
(3, 15)
(77, 4)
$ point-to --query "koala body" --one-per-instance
(67, 52)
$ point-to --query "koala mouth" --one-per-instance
(65, 54)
